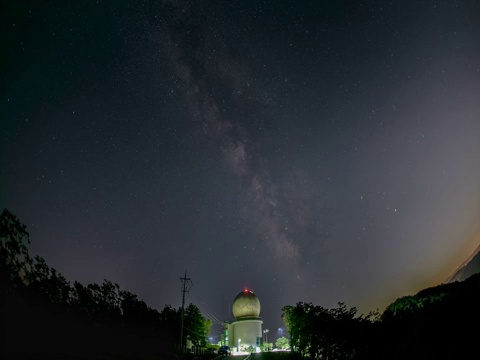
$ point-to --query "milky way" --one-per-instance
(321, 152)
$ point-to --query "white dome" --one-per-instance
(246, 305)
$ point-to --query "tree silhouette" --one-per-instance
(14, 258)
(87, 319)
(320, 333)
(196, 325)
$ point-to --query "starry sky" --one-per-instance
(318, 151)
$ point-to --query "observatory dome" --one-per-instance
(246, 305)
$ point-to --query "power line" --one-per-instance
(206, 310)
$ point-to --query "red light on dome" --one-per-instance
(246, 290)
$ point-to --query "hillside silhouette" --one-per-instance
(471, 266)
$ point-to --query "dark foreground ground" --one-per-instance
(280, 355)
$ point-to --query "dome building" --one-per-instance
(246, 330)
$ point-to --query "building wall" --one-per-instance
(248, 331)
(228, 335)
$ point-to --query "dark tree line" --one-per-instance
(320, 333)
(436, 323)
(42, 313)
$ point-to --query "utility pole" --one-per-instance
(185, 287)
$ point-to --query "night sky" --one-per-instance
(318, 151)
